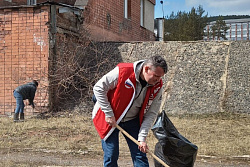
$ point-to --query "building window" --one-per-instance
(233, 27)
(244, 26)
(142, 13)
(31, 2)
(127, 9)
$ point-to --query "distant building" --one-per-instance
(238, 30)
(109, 20)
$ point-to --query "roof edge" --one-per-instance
(47, 3)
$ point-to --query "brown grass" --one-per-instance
(218, 134)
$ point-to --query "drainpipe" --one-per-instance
(160, 29)
(52, 58)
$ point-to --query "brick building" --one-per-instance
(120, 20)
(29, 38)
(32, 2)
(32, 30)
(110, 20)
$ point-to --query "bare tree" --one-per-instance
(73, 71)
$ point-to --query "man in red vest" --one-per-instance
(129, 95)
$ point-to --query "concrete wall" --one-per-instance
(237, 88)
(203, 76)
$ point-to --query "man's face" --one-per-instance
(153, 74)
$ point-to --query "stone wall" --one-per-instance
(202, 77)
(237, 92)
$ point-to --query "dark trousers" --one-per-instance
(111, 146)
(19, 102)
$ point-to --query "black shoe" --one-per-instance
(21, 117)
(16, 117)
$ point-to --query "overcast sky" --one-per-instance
(212, 7)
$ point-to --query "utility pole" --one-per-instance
(162, 9)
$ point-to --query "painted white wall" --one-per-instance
(149, 15)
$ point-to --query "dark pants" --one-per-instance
(111, 146)
(19, 102)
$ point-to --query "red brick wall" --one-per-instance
(24, 51)
(120, 29)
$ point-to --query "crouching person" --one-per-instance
(23, 92)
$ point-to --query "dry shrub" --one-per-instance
(75, 66)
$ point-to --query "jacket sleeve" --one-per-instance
(150, 116)
(101, 88)
(32, 96)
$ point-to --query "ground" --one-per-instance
(71, 140)
(14, 158)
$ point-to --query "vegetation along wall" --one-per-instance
(202, 77)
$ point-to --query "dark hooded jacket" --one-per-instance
(28, 91)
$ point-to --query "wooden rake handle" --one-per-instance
(136, 142)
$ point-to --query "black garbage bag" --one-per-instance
(174, 149)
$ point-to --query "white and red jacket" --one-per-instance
(120, 95)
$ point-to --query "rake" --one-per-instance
(136, 142)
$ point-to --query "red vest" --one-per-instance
(121, 99)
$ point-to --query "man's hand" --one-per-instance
(111, 121)
(143, 146)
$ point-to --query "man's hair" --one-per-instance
(157, 61)
(35, 82)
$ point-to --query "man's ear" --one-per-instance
(146, 68)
